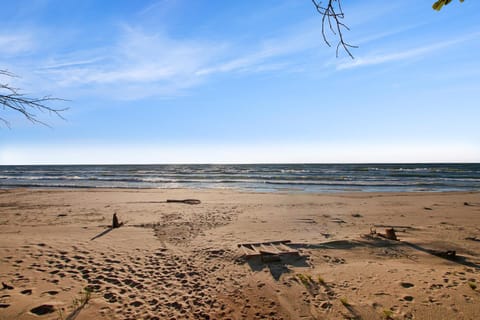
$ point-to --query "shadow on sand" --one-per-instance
(101, 234)
(456, 258)
(384, 243)
(277, 268)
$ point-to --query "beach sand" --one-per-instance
(181, 261)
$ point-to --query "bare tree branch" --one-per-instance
(11, 98)
(332, 17)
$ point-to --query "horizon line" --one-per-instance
(245, 163)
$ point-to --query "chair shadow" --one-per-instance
(457, 258)
(381, 242)
(348, 244)
(285, 262)
(277, 268)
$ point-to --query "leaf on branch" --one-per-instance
(438, 5)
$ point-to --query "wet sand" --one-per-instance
(181, 261)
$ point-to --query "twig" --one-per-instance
(11, 98)
(332, 16)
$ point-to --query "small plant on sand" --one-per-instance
(472, 285)
(85, 296)
(305, 280)
(388, 314)
(321, 280)
(78, 304)
(344, 301)
(60, 314)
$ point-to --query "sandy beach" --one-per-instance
(173, 260)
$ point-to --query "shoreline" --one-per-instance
(241, 190)
(175, 260)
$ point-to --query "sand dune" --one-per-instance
(181, 261)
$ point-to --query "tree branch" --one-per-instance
(440, 3)
(332, 17)
(11, 98)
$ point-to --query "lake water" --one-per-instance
(253, 177)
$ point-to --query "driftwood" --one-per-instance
(265, 249)
(268, 251)
(268, 257)
(115, 223)
(390, 226)
(259, 243)
(187, 201)
(449, 254)
(248, 252)
(6, 286)
(472, 238)
(389, 234)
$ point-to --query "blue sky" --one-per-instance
(242, 81)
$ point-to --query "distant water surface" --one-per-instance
(254, 177)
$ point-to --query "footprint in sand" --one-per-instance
(407, 284)
(153, 302)
(436, 286)
(136, 303)
(50, 293)
(110, 297)
(26, 292)
(43, 309)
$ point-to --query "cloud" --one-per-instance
(15, 43)
(137, 57)
(141, 64)
(409, 54)
(137, 64)
(266, 56)
(71, 63)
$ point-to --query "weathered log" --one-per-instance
(259, 243)
(115, 223)
(187, 201)
(268, 257)
(390, 234)
(472, 238)
(449, 254)
(6, 286)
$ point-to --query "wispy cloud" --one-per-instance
(266, 55)
(413, 53)
(145, 62)
(387, 34)
(158, 64)
(15, 43)
(71, 63)
(136, 58)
